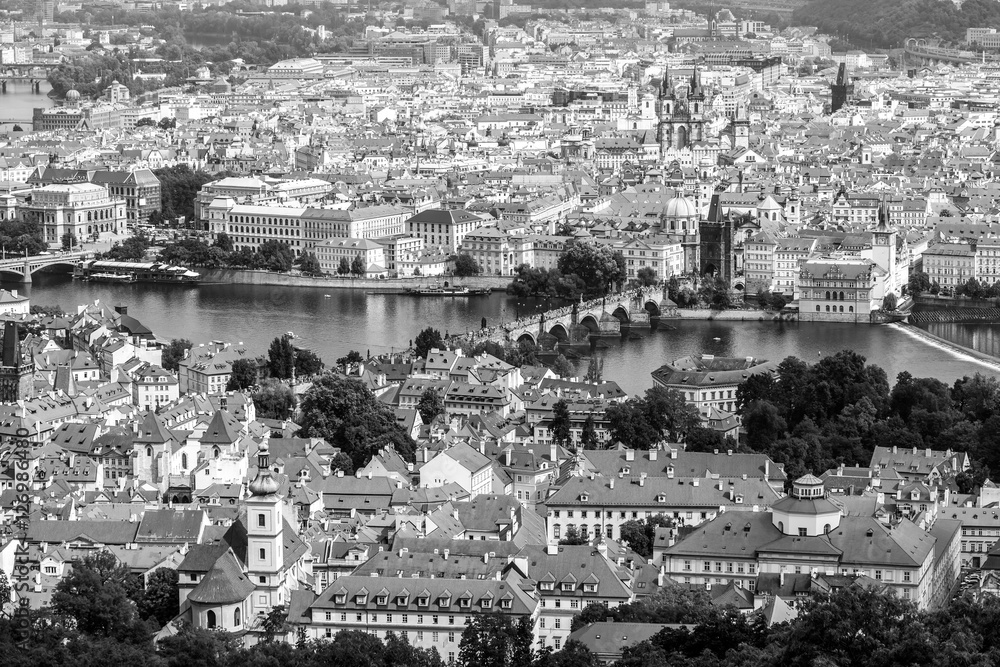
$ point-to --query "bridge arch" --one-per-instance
(652, 308)
(591, 323)
(69, 266)
(11, 272)
(560, 331)
(621, 314)
(527, 337)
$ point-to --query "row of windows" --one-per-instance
(850, 309)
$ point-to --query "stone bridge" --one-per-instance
(578, 323)
(24, 267)
(918, 49)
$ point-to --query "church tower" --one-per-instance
(265, 547)
(15, 375)
(741, 128)
(681, 119)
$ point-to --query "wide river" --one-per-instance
(376, 323)
(19, 103)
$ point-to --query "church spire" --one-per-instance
(665, 90)
(263, 484)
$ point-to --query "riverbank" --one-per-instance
(247, 277)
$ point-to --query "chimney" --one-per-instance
(767, 468)
(694, 482)
(673, 453)
(927, 453)
(652, 455)
(630, 455)
(554, 454)
(729, 452)
(552, 549)
(611, 484)
(507, 455)
(781, 578)
(719, 485)
(670, 472)
(369, 474)
(446, 552)
(894, 449)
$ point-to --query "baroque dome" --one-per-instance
(680, 207)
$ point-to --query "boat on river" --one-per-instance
(135, 272)
(448, 291)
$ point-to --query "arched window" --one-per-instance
(826, 528)
(828, 295)
(236, 614)
(216, 452)
(210, 616)
(850, 309)
(828, 309)
(149, 450)
(841, 296)
(781, 526)
(557, 531)
(184, 461)
(817, 308)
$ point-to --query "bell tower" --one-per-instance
(15, 375)
(265, 547)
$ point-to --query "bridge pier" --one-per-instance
(638, 317)
(3, 85)
(26, 278)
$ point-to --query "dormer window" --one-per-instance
(487, 603)
(444, 601)
(547, 586)
(590, 588)
(361, 599)
(505, 604)
(382, 599)
(465, 603)
(584, 497)
(340, 598)
(402, 600)
(423, 601)
(661, 498)
(626, 470)
(568, 586)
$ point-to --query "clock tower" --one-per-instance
(265, 546)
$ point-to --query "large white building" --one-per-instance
(84, 209)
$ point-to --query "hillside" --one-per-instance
(888, 23)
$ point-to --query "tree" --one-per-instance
(347, 414)
(563, 367)
(764, 425)
(174, 352)
(274, 400)
(430, 405)
(646, 276)
(160, 600)
(145, 121)
(465, 265)
(595, 370)
(561, 424)
(352, 357)
(309, 264)
(427, 340)
(167, 123)
(243, 375)
(69, 241)
(342, 461)
(224, 242)
(344, 267)
(918, 283)
(97, 595)
(281, 357)
(889, 302)
(275, 256)
(307, 363)
(588, 437)
(496, 640)
(598, 267)
(358, 266)
(640, 534)
(197, 647)
(572, 537)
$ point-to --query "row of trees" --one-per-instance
(270, 255)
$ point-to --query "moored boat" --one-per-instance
(131, 272)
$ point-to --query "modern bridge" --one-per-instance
(25, 267)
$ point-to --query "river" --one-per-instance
(376, 323)
(19, 103)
